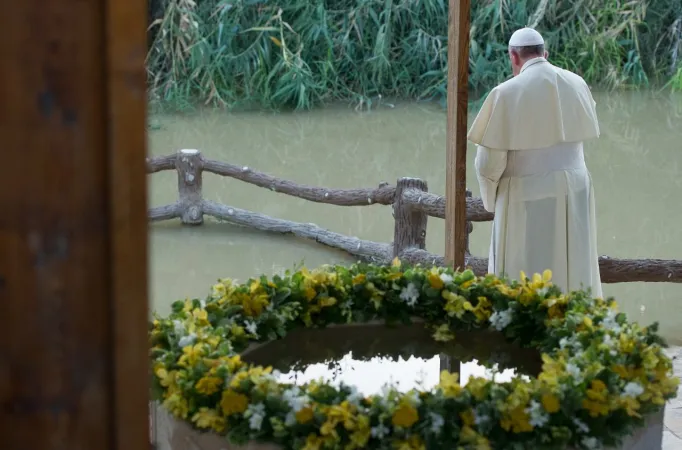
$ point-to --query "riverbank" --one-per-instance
(298, 53)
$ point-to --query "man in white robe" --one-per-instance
(531, 170)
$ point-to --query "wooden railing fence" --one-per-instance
(412, 205)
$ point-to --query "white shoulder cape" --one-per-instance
(541, 107)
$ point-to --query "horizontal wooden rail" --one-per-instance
(431, 204)
(612, 270)
(434, 205)
(411, 202)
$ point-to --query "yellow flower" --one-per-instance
(213, 341)
(254, 304)
(177, 405)
(309, 293)
(477, 387)
(434, 279)
(650, 357)
(405, 415)
(208, 385)
(359, 279)
(222, 290)
(413, 442)
(657, 391)
(304, 415)
(468, 435)
(483, 309)
(454, 304)
(551, 370)
(191, 355)
(626, 343)
(551, 403)
(233, 402)
(188, 306)
(468, 417)
(449, 383)
(256, 372)
(597, 399)
(200, 316)
(359, 437)
(395, 262)
(255, 287)
(323, 302)
(313, 442)
(209, 418)
(630, 405)
(517, 420)
(343, 413)
(237, 331)
(556, 307)
(541, 281)
(165, 378)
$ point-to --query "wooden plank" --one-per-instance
(126, 27)
(458, 78)
(72, 261)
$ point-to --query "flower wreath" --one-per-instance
(601, 375)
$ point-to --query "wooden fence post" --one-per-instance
(410, 223)
(189, 166)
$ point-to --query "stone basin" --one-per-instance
(368, 350)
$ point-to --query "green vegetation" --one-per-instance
(299, 53)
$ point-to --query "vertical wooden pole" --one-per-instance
(189, 166)
(458, 79)
(409, 223)
(73, 229)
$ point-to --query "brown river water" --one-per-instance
(636, 167)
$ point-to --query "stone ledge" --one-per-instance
(172, 434)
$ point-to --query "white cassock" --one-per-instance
(532, 174)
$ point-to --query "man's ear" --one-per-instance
(546, 54)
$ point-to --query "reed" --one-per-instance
(300, 53)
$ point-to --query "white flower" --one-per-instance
(256, 414)
(251, 327)
(574, 371)
(355, 396)
(290, 419)
(538, 416)
(582, 426)
(187, 340)
(445, 278)
(633, 389)
(380, 431)
(178, 328)
(543, 291)
(437, 422)
(591, 443)
(295, 400)
(410, 294)
(570, 343)
(609, 322)
(500, 319)
(480, 418)
(610, 344)
(202, 302)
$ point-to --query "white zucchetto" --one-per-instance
(526, 37)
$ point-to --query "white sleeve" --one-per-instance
(490, 165)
